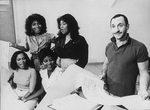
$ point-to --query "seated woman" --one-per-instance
(49, 71)
(24, 77)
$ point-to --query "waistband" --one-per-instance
(22, 89)
(110, 94)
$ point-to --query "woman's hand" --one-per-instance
(25, 100)
(102, 76)
(43, 66)
(12, 44)
(20, 98)
(144, 94)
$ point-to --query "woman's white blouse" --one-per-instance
(36, 43)
(48, 82)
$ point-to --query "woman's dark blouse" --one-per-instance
(74, 49)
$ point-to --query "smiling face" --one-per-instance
(63, 27)
(36, 27)
(49, 63)
(119, 28)
(21, 61)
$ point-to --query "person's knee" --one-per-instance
(31, 104)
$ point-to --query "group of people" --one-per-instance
(46, 63)
(126, 58)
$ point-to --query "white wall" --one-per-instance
(93, 17)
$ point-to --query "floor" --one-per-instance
(95, 68)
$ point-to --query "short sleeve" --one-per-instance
(107, 47)
(142, 54)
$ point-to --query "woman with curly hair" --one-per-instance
(71, 47)
(37, 37)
